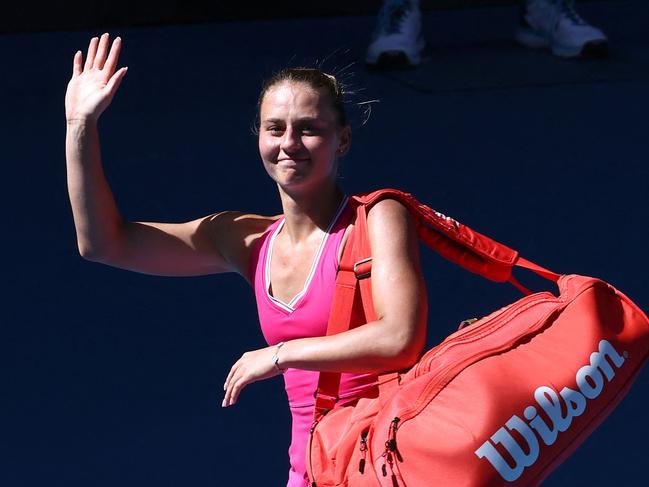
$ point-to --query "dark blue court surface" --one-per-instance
(114, 379)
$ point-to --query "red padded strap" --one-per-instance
(454, 241)
(362, 254)
(326, 395)
(346, 295)
(363, 251)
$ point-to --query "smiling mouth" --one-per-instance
(293, 159)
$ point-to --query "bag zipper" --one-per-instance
(468, 334)
(446, 374)
(312, 482)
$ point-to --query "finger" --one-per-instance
(115, 81)
(228, 393)
(233, 370)
(100, 59)
(92, 50)
(76, 64)
(113, 55)
(236, 389)
(235, 384)
(227, 386)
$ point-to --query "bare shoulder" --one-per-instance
(388, 213)
(391, 228)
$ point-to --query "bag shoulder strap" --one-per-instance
(352, 303)
(456, 242)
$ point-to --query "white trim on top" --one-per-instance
(290, 306)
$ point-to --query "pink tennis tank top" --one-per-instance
(306, 315)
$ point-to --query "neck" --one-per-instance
(307, 212)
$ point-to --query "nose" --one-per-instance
(291, 141)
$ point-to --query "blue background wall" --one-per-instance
(114, 378)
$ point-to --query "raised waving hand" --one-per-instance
(94, 82)
(208, 245)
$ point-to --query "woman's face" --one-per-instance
(300, 138)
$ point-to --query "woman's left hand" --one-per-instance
(251, 367)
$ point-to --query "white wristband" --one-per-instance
(275, 358)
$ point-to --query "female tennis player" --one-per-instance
(290, 260)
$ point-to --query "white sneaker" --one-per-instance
(556, 24)
(397, 40)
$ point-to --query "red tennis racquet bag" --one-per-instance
(500, 402)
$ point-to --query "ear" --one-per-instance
(345, 141)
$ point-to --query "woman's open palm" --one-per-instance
(94, 82)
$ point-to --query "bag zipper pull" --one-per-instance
(391, 449)
(391, 444)
(361, 464)
(387, 460)
(465, 323)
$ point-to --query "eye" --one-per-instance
(308, 130)
(275, 130)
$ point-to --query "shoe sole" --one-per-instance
(394, 52)
(592, 49)
(391, 60)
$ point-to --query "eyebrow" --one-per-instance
(280, 120)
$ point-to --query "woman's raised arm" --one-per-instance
(216, 243)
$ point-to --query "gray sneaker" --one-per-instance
(397, 40)
(556, 25)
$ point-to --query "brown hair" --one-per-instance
(316, 79)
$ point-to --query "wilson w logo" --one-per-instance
(590, 381)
